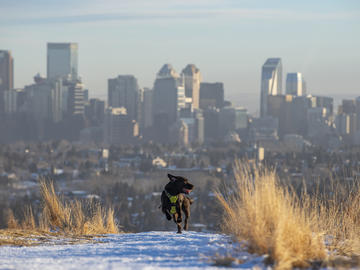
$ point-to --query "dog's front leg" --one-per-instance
(177, 220)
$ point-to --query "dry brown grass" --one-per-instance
(73, 219)
(224, 261)
(21, 237)
(292, 230)
(339, 217)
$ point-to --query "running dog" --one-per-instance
(173, 200)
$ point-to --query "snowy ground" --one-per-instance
(150, 250)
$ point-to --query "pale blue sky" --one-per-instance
(228, 40)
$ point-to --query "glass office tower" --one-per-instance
(62, 61)
(271, 82)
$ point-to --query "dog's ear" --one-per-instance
(171, 177)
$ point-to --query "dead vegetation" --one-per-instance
(295, 231)
(224, 261)
(21, 237)
(74, 220)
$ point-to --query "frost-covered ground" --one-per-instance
(150, 250)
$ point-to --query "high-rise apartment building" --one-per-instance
(6, 76)
(192, 79)
(271, 82)
(295, 84)
(123, 92)
(76, 98)
(62, 61)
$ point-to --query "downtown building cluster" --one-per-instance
(179, 108)
(299, 117)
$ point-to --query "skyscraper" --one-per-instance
(75, 98)
(62, 60)
(192, 79)
(95, 111)
(211, 95)
(123, 92)
(168, 93)
(271, 82)
(119, 128)
(6, 76)
(6, 71)
(147, 107)
(44, 99)
(294, 84)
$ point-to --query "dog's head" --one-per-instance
(179, 184)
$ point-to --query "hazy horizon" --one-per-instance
(227, 40)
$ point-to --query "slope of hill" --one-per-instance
(148, 250)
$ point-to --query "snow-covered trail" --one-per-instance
(148, 250)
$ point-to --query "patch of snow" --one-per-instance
(93, 197)
(148, 250)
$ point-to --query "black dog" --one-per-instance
(173, 200)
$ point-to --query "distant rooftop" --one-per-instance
(167, 71)
(62, 45)
(272, 62)
(190, 69)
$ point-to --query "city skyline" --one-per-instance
(227, 40)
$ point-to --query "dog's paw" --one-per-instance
(168, 217)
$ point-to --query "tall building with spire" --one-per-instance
(62, 61)
(192, 79)
(6, 76)
(271, 82)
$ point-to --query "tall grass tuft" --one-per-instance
(74, 217)
(271, 219)
(339, 217)
(12, 222)
(28, 222)
(57, 213)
